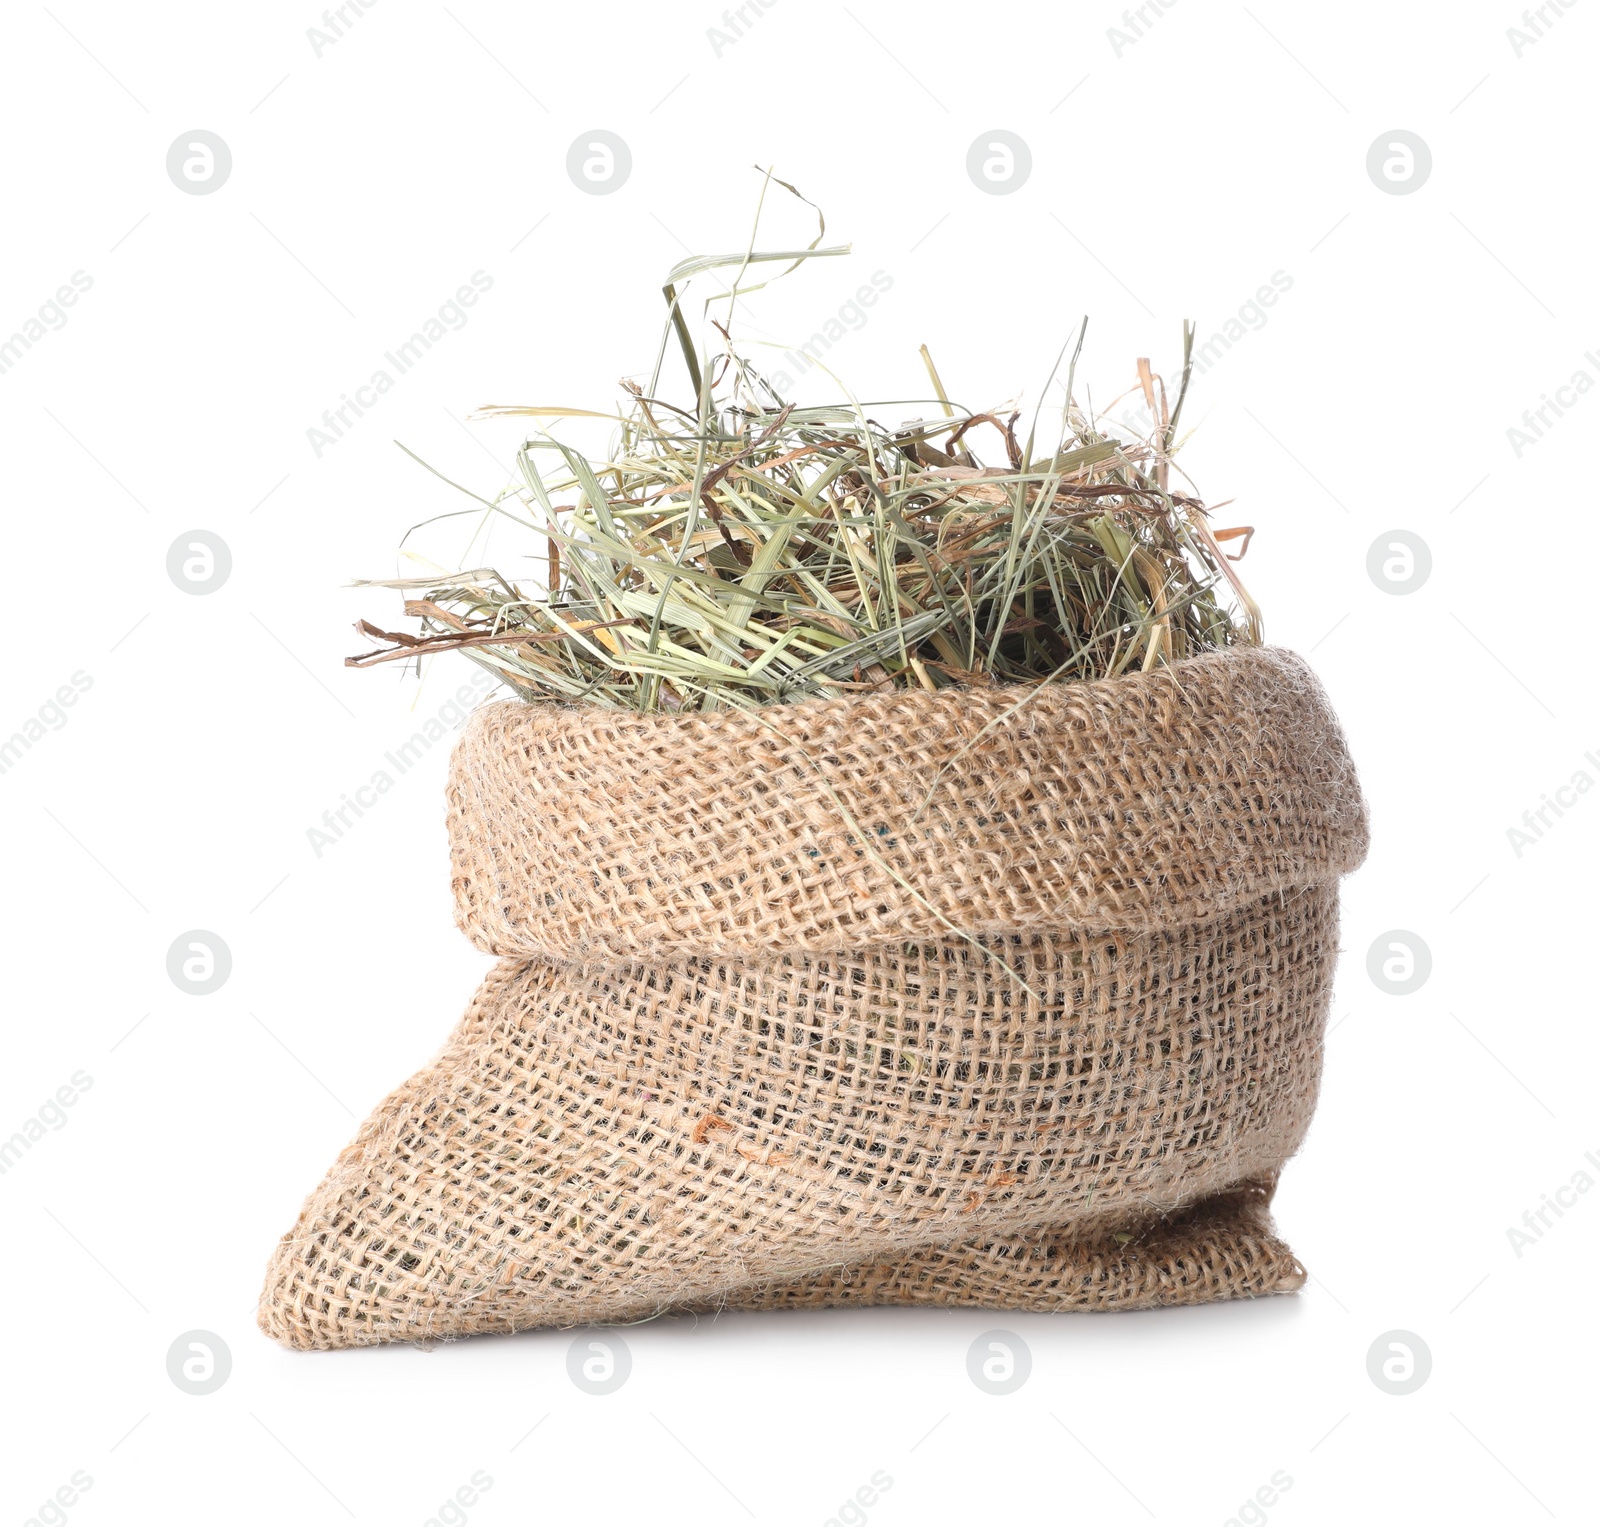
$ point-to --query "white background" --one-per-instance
(1171, 181)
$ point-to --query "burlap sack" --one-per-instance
(790, 1001)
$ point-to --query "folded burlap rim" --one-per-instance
(600, 836)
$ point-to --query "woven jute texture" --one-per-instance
(896, 998)
(1219, 1248)
(1127, 803)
